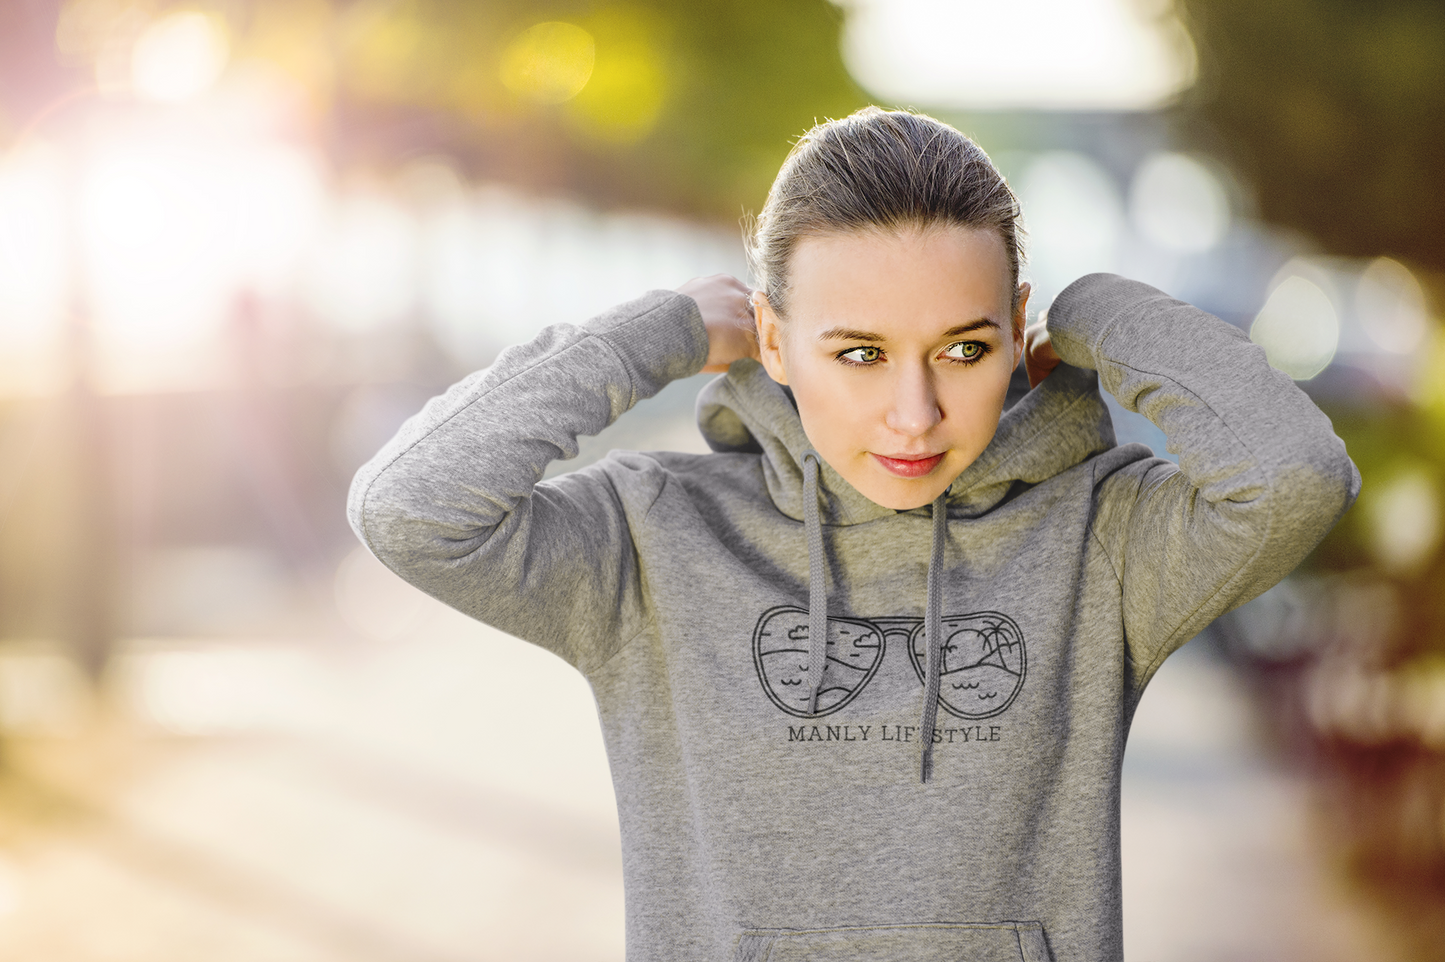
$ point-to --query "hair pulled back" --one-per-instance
(878, 170)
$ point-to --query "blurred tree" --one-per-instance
(663, 103)
(1332, 109)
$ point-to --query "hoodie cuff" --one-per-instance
(659, 336)
(1084, 312)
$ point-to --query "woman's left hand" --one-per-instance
(1039, 356)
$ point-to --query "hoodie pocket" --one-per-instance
(934, 942)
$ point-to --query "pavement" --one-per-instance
(1224, 848)
(436, 799)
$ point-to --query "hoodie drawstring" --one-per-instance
(817, 584)
(818, 608)
(933, 634)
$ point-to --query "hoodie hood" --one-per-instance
(1052, 428)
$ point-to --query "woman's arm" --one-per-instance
(1261, 476)
(453, 503)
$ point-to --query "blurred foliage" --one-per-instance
(687, 106)
(1332, 110)
(684, 106)
(1398, 443)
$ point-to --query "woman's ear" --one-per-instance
(1020, 318)
(770, 338)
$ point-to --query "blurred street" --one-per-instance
(1222, 843)
(399, 802)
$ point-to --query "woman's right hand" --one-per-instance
(727, 313)
(1040, 358)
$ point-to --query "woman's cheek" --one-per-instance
(832, 409)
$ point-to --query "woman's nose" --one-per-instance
(914, 410)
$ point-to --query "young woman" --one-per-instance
(865, 673)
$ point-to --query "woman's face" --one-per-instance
(898, 347)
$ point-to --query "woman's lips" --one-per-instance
(909, 467)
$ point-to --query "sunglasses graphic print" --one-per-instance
(780, 651)
(983, 663)
(984, 660)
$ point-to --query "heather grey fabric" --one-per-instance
(679, 585)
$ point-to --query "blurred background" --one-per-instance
(242, 240)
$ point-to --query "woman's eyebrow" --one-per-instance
(849, 334)
(972, 326)
(853, 334)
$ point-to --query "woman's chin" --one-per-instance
(888, 488)
(901, 494)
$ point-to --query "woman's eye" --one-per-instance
(862, 355)
(964, 351)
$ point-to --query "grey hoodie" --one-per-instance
(768, 773)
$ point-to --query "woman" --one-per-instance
(865, 673)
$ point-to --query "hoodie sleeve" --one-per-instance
(1261, 476)
(454, 503)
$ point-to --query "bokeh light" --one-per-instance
(549, 63)
(1178, 203)
(155, 227)
(1404, 521)
(34, 267)
(1298, 327)
(1074, 218)
(278, 195)
(218, 690)
(180, 56)
(1031, 54)
(623, 100)
(1391, 306)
